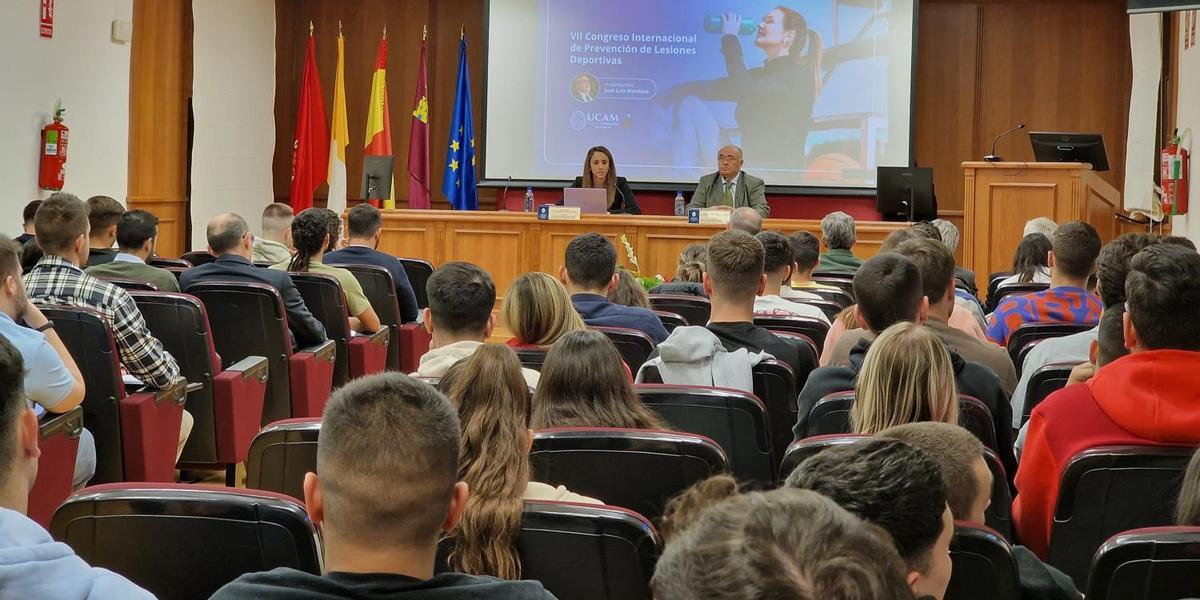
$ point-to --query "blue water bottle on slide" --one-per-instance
(712, 24)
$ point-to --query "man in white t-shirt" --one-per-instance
(779, 259)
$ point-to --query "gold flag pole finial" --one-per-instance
(339, 28)
(424, 32)
(310, 28)
(385, 32)
(462, 32)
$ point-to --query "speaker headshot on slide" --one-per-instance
(731, 187)
(774, 101)
(585, 87)
(599, 171)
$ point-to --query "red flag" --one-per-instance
(418, 141)
(379, 124)
(310, 150)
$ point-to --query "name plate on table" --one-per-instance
(549, 212)
(708, 216)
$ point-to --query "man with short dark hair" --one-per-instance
(897, 487)
(275, 244)
(837, 228)
(103, 215)
(230, 240)
(1148, 397)
(137, 236)
(381, 537)
(778, 261)
(807, 249)
(365, 227)
(459, 317)
(1072, 259)
(32, 564)
(27, 223)
(589, 275)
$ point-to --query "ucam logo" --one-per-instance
(582, 120)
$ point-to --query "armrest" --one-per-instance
(59, 445)
(325, 351)
(176, 393)
(70, 423)
(238, 396)
(379, 338)
(310, 378)
(150, 429)
(251, 367)
(368, 353)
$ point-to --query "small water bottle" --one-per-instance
(679, 204)
(528, 199)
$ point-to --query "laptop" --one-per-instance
(591, 201)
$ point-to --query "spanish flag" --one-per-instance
(379, 125)
(418, 141)
(312, 134)
(341, 137)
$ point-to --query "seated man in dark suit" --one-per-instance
(365, 224)
(590, 273)
(230, 240)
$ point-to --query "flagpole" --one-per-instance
(310, 29)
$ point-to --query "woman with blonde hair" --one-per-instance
(494, 409)
(585, 383)
(538, 311)
(689, 272)
(906, 377)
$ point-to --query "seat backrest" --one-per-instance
(984, 567)
(598, 462)
(89, 339)
(380, 290)
(801, 450)
(323, 296)
(671, 321)
(815, 329)
(837, 296)
(1044, 381)
(635, 346)
(1147, 564)
(198, 257)
(418, 272)
(252, 323)
(1013, 289)
(694, 309)
(585, 552)
(183, 541)
(180, 322)
(164, 263)
(994, 283)
(735, 420)
(842, 281)
(533, 358)
(1030, 333)
(831, 414)
(829, 308)
(131, 284)
(1111, 489)
(281, 454)
(974, 416)
(998, 515)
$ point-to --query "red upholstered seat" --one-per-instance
(59, 442)
(357, 355)
(380, 290)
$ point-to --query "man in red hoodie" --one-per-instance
(1148, 397)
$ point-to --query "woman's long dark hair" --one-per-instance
(1030, 256)
(309, 229)
(610, 182)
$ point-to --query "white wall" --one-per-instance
(90, 72)
(1188, 116)
(233, 103)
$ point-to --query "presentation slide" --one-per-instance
(815, 92)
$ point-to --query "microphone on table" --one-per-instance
(992, 157)
(504, 195)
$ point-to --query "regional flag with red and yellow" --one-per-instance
(379, 127)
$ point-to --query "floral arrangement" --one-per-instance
(647, 282)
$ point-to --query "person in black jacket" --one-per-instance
(365, 227)
(230, 240)
(599, 171)
(889, 290)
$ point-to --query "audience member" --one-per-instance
(1112, 267)
(1187, 510)
(137, 237)
(1030, 261)
(275, 244)
(783, 543)
(733, 279)
(62, 231)
(969, 494)
(459, 317)
(897, 487)
(778, 262)
(230, 240)
(1146, 397)
(310, 236)
(950, 237)
(965, 307)
(1043, 225)
(1072, 259)
(494, 412)
(51, 377)
(386, 489)
(586, 384)
(807, 249)
(927, 230)
(33, 564)
(629, 291)
(334, 223)
(27, 215)
(906, 377)
(771, 241)
(837, 228)
(745, 219)
(364, 229)
(31, 253)
(590, 273)
(103, 214)
(685, 508)
(538, 311)
(689, 273)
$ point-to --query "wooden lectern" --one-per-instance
(998, 198)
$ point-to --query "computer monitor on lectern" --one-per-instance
(1070, 147)
(905, 193)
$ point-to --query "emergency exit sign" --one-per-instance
(47, 21)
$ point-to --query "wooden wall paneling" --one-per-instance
(160, 83)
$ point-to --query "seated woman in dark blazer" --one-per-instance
(600, 172)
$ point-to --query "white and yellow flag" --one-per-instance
(339, 137)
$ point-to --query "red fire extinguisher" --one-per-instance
(53, 172)
(1174, 175)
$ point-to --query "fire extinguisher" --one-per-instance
(53, 172)
(1174, 174)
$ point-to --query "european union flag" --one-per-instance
(459, 183)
